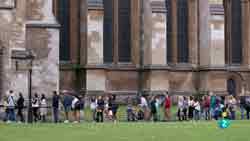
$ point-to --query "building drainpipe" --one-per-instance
(141, 61)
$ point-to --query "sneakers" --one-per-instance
(66, 121)
(8, 122)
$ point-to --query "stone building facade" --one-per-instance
(154, 46)
(29, 25)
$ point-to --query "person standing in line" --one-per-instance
(82, 106)
(197, 109)
(5, 104)
(76, 107)
(185, 108)
(191, 108)
(232, 107)
(158, 107)
(67, 102)
(35, 107)
(153, 109)
(100, 108)
(20, 106)
(114, 107)
(93, 105)
(247, 106)
(212, 105)
(242, 103)
(167, 107)
(180, 108)
(207, 107)
(144, 107)
(11, 107)
(55, 106)
(43, 109)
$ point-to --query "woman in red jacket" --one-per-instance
(167, 107)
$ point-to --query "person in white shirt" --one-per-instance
(35, 107)
(197, 109)
(93, 106)
(43, 109)
(145, 108)
(144, 102)
(180, 108)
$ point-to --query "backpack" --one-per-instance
(248, 102)
(140, 115)
(153, 107)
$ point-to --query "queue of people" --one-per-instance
(208, 107)
(143, 108)
(40, 107)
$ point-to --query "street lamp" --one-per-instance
(26, 55)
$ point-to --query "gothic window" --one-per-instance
(124, 49)
(124, 31)
(108, 31)
(236, 43)
(182, 19)
(64, 34)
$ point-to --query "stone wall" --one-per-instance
(29, 25)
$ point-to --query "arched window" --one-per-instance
(63, 18)
(231, 87)
(123, 9)
(108, 31)
(236, 34)
(182, 20)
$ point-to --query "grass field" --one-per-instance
(176, 131)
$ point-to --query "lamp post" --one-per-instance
(141, 62)
(26, 55)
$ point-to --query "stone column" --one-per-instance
(174, 31)
(246, 31)
(74, 31)
(135, 31)
(83, 31)
(204, 32)
(147, 35)
(193, 31)
(227, 7)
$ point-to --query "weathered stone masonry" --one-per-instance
(29, 24)
(208, 68)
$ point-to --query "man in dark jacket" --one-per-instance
(20, 106)
(55, 106)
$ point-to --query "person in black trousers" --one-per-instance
(35, 107)
(100, 108)
(20, 106)
(55, 106)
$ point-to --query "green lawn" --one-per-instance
(176, 131)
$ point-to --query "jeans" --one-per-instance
(11, 114)
(212, 113)
(55, 113)
(196, 115)
(207, 113)
(242, 111)
(94, 114)
(232, 113)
